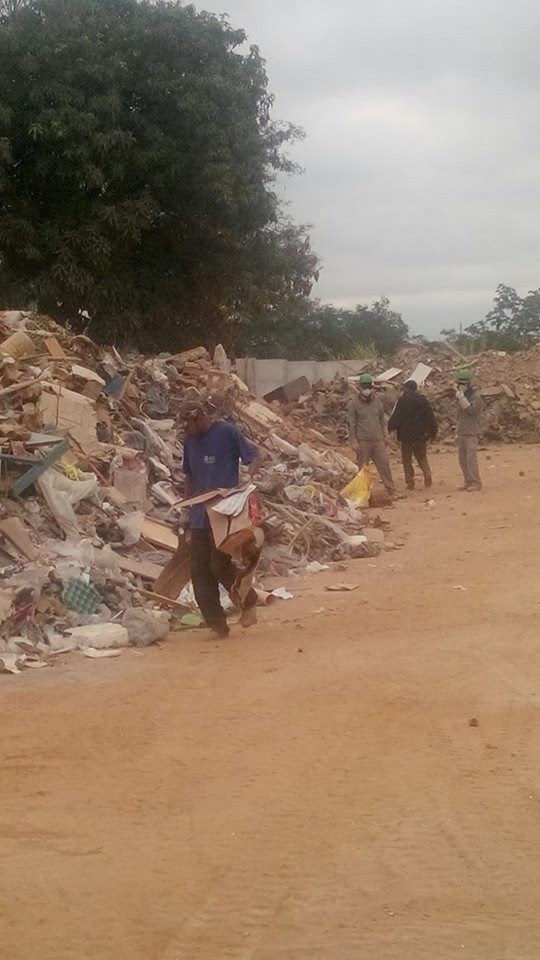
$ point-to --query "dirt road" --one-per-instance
(312, 791)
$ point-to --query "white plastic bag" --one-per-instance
(131, 525)
(62, 494)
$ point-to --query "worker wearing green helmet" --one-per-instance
(469, 429)
(367, 430)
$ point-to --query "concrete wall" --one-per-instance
(262, 376)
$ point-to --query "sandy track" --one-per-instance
(248, 801)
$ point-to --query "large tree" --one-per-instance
(137, 167)
(513, 323)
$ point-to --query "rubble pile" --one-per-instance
(508, 382)
(91, 479)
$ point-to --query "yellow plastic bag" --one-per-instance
(358, 491)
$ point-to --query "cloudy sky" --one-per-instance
(422, 149)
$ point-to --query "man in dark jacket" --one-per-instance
(414, 422)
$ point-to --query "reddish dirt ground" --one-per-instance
(312, 790)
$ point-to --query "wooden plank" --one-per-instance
(159, 534)
(92, 390)
(22, 385)
(84, 373)
(14, 530)
(176, 573)
(55, 349)
(18, 345)
(165, 601)
(141, 568)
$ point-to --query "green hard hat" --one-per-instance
(366, 378)
(463, 376)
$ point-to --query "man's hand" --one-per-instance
(255, 466)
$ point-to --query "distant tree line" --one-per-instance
(513, 323)
(323, 332)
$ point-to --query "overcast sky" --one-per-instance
(422, 149)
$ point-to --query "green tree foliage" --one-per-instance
(137, 167)
(513, 323)
(323, 332)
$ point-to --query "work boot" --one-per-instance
(221, 630)
(248, 617)
(428, 482)
(473, 488)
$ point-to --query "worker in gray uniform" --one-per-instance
(367, 431)
(469, 428)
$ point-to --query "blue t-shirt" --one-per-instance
(212, 461)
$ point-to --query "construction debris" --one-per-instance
(93, 555)
(509, 385)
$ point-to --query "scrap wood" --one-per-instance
(165, 601)
(71, 411)
(54, 347)
(13, 529)
(159, 534)
(18, 345)
(177, 572)
(23, 384)
(142, 568)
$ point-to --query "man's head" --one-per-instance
(463, 378)
(195, 417)
(365, 382)
(410, 386)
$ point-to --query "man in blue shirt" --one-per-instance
(213, 450)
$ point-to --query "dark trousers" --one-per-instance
(418, 450)
(209, 568)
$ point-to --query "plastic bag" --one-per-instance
(144, 627)
(62, 494)
(359, 489)
(131, 525)
(100, 636)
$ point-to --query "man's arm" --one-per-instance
(248, 453)
(475, 406)
(351, 421)
(394, 422)
(255, 465)
(383, 422)
(462, 400)
(186, 467)
(188, 492)
(432, 427)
